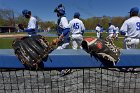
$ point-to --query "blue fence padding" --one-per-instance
(68, 58)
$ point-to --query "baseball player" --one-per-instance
(77, 29)
(63, 32)
(62, 29)
(32, 24)
(101, 31)
(131, 29)
(98, 30)
(111, 30)
(116, 32)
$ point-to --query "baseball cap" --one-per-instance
(134, 10)
(77, 14)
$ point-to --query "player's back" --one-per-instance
(63, 22)
(117, 30)
(133, 24)
(98, 29)
(76, 25)
(32, 23)
(111, 29)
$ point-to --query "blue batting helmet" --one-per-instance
(60, 9)
(134, 10)
(26, 12)
(109, 23)
(77, 14)
(98, 25)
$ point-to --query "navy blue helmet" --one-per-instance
(60, 9)
(26, 12)
(76, 14)
(134, 10)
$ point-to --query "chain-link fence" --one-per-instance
(86, 80)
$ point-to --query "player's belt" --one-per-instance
(77, 33)
(132, 37)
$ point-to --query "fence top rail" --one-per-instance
(68, 58)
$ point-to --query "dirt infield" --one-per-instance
(12, 35)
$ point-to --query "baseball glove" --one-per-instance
(55, 42)
(21, 26)
(31, 51)
(104, 50)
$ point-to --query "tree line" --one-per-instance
(8, 17)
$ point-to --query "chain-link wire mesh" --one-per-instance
(86, 80)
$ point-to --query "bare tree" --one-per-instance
(8, 16)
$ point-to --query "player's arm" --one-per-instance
(25, 29)
(70, 25)
(29, 30)
(82, 28)
(20, 26)
(123, 28)
(114, 30)
(114, 33)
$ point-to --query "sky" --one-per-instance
(87, 8)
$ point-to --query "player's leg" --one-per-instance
(79, 41)
(117, 36)
(101, 35)
(98, 35)
(131, 43)
(59, 47)
(65, 46)
(135, 43)
(128, 43)
(74, 44)
(110, 36)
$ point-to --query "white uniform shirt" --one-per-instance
(98, 29)
(116, 30)
(131, 27)
(32, 24)
(63, 23)
(111, 29)
(76, 26)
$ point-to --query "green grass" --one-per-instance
(13, 33)
(6, 43)
(117, 43)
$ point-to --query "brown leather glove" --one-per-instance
(21, 26)
(55, 41)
